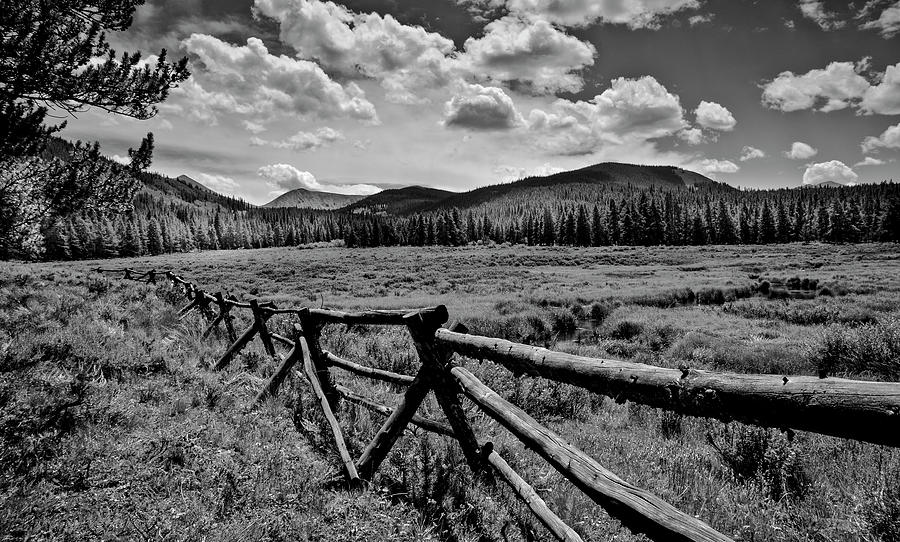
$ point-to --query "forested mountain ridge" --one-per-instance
(596, 206)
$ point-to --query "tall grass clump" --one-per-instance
(870, 350)
(762, 456)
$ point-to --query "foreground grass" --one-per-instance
(111, 428)
(749, 483)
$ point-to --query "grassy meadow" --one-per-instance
(112, 427)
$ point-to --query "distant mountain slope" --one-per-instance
(563, 185)
(398, 201)
(310, 199)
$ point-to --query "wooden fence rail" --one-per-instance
(865, 411)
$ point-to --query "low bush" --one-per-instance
(626, 330)
(665, 299)
(600, 311)
(871, 349)
(763, 456)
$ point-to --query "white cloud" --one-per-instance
(888, 23)
(713, 165)
(630, 111)
(834, 171)
(751, 153)
(254, 127)
(801, 151)
(884, 98)
(714, 116)
(249, 81)
(634, 13)
(693, 136)
(531, 51)
(219, 183)
(302, 141)
(403, 58)
(836, 87)
(815, 11)
(482, 108)
(124, 160)
(695, 20)
(285, 177)
(889, 139)
(869, 161)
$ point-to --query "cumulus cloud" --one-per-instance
(479, 107)
(124, 160)
(631, 110)
(714, 116)
(869, 161)
(816, 12)
(801, 151)
(254, 127)
(634, 13)
(531, 51)
(250, 81)
(713, 165)
(836, 87)
(751, 153)
(285, 177)
(514, 173)
(219, 183)
(888, 23)
(403, 58)
(302, 141)
(693, 136)
(884, 98)
(834, 171)
(889, 139)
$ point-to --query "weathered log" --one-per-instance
(188, 308)
(424, 423)
(369, 372)
(422, 326)
(529, 496)
(236, 347)
(271, 387)
(637, 509)
(372, 318)
(867, 411)
(313, 378)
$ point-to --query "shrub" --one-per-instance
(872, 349)
(764, 456)
(711, 296)
(779, 293)
(600, 311)
(882, 510)
(764, 287)
(562, 321)
(578, 311)
(626, 330)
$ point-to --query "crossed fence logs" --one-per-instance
(864, 411)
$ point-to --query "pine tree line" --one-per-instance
(612, 216)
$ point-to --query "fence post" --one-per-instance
(259, 318)
(421, 327)
(223, 313)
(312, 332)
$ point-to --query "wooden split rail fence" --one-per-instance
(859, 410)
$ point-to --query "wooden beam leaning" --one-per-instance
(271, 387)
(393, 427)
(529, 496)
(223, 312)
(236, 347)
(310, 370)
(369, 372)
(424, 423)
(422, 327)
(866, 411)
(637, 509)
(259, 319)
(311, 329)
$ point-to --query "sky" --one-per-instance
(358, 96)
